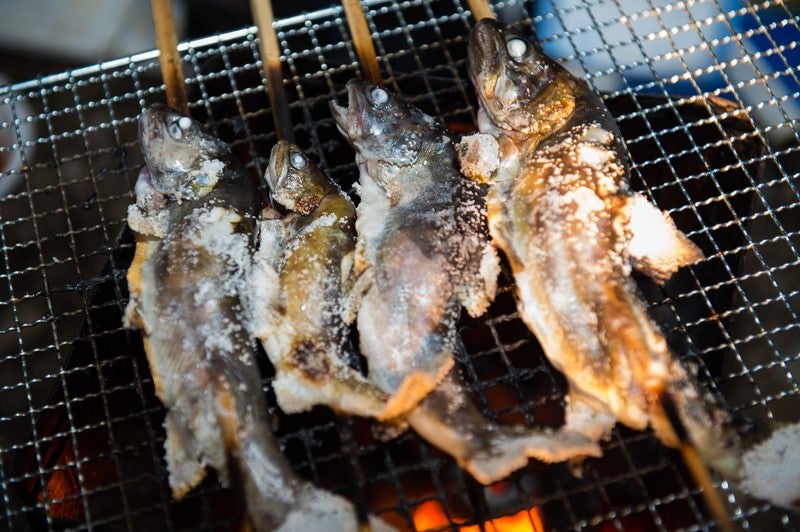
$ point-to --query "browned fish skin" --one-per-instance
(561, 209)
(195, 215)
(311, 252)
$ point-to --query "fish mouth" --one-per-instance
(349, 119)
(151, 136)
(276, 168)
(486, 54)
(150, 124)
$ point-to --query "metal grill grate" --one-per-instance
(81, 442)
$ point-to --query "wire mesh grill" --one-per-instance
(707, 96)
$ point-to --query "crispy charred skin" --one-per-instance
(304, 331)
(421, 251)
(195, 217)
(561, 210)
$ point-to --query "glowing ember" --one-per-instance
(431, 516)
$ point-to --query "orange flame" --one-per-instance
(431, 516)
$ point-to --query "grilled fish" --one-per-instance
(561, 210)
(422, 248)
(195, 215)
(421, 252)
(304, 269)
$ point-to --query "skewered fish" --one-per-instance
(303, 270)
(195, 218)
(423, 252)
(561, 209)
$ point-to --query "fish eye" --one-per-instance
(517, 48)
(179, 126)
(379, 95)
(174, 129)
(298, 160)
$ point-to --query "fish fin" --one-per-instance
(342, 389)
(709, 426)
(512, 447)
(481, 290)
(271, 240)
(478, 157)
(351, 301)
(346, 267)
(499, 227)
(183, 457)
(389, 429)
(448, 419)
(133, 313)
(385, 176)
(262, 299)
(414, 387)
(585, 416)
(317, 509)
(656, 246)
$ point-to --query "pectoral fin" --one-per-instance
(481, 288)
(352, 300)
(656, 246)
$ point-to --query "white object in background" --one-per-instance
(85, 31)
(684, 48)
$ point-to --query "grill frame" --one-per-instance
(65, 355)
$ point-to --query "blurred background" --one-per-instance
(39, 37)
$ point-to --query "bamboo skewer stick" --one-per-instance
(271, 55)
(695, 464)
(480, 9)
(362, 40)
(169, 59)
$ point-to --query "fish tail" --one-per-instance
(644, 365)
(254, 457)
(448, 419)
(637, 351)
(269, 484)
(278, 500)
(709, 427)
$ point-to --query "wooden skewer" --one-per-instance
(169, 59)
(695, 464)
(481, 9)
(271, 55)
(362, 40)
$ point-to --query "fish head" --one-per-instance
(510, 73)
(183, 159)
(294, 180)
(382, 126)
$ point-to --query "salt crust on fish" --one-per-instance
(301, 271)
(375, 211)
(186, 283)
(771, 469)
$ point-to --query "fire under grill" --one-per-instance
(708, 98)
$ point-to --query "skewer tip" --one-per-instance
(695, 464)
